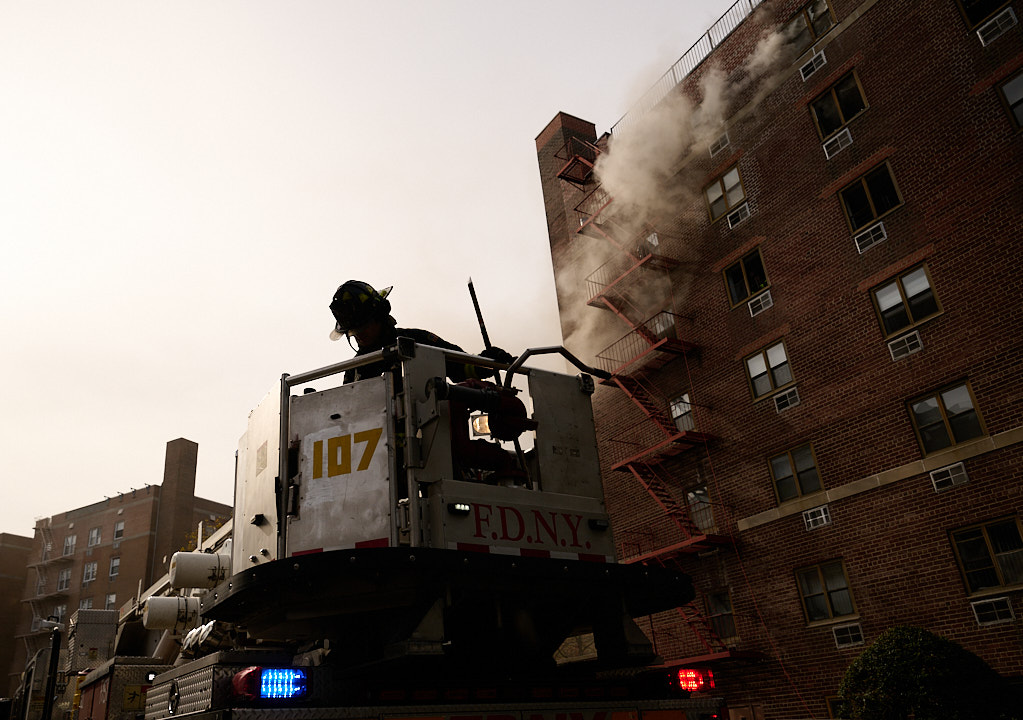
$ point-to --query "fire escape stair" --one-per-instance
(715, 648)
(653, 409)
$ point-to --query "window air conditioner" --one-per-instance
(760, 303)
(950, 476)
(738, 215)
(789, 398)
(905, 345)
(815, 63)
(874, 235)
(837, 144)
(996, 26)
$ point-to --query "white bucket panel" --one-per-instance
(344, 495)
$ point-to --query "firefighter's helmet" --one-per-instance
(356, 303)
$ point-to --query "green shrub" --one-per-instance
(909, 672)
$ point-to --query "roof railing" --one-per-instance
(690, 60)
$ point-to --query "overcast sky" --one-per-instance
(184, 184)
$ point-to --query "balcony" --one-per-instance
(653, 344)
(619, 277)
(581, 158)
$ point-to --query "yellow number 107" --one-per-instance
(339, 453)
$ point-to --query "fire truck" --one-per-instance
(409, 546)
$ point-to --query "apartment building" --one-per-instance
(100, 555)
(794, 257)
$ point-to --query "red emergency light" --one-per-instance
(695, 680)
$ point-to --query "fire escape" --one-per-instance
(45, 594)
(624, 286)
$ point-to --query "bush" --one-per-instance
(909, 672)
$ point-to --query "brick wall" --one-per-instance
(934, 115)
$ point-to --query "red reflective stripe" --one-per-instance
(379, 542)
(471, 547)
(306, 552)
(589, 557)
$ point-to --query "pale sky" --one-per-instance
(184, 184)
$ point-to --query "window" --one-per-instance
(69, 544)
(682, 413)
(1012, 96)
(724, 194)
(89, 573)
(111, 602)
(795, 473)
(977, 11)
(118, 529)
(719, 610)
(699, 508)
(115, 567)
(94, 537)
(85, 604)
(745, 278)
(60, 611)
(990, 555)
(825, 591)
(946, 418)
(870, 197)
(811, 22)
(64, 579)
(905, 301)
(833, 110)
(768, 370)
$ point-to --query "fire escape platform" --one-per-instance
(650, 261)
(689, 546)
(577, 170)
(674, 445)
(655, 356)
(712, 658)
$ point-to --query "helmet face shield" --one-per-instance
(356, 304)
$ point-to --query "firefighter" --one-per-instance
(362, 312)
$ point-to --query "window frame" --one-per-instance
(714, 618)
(676, 412)
(110, 602)
(814, 36)
(69, 547)
(750, 294)
(700, 507)
(897, 279)
(63, 579)
(118, 529)
(862, 182)
(89, 572)
(944, 416)
(983, 527)
(974, 25)
(774, 388)
(795, 475)
(96, 533)
(832, 617)
(720, 182)
(845, 121)
(1007, 104)
(115, 566)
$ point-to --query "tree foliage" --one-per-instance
(909, 672)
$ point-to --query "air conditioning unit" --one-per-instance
(789, 398)
(813, 65)
(718, 145)
(996, 26)
(738, 215)
(874, 235)
(905, 345)
(847, 635)
(760, 303)
(949, 476)
(992, 611)
(816, 517)
(837, 144)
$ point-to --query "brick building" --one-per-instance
(97, 556)
(795, 260)
(14, 558)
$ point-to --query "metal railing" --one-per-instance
(661, 326)
(689, 61)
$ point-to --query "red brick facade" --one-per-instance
(97, 555)
(935, 116)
